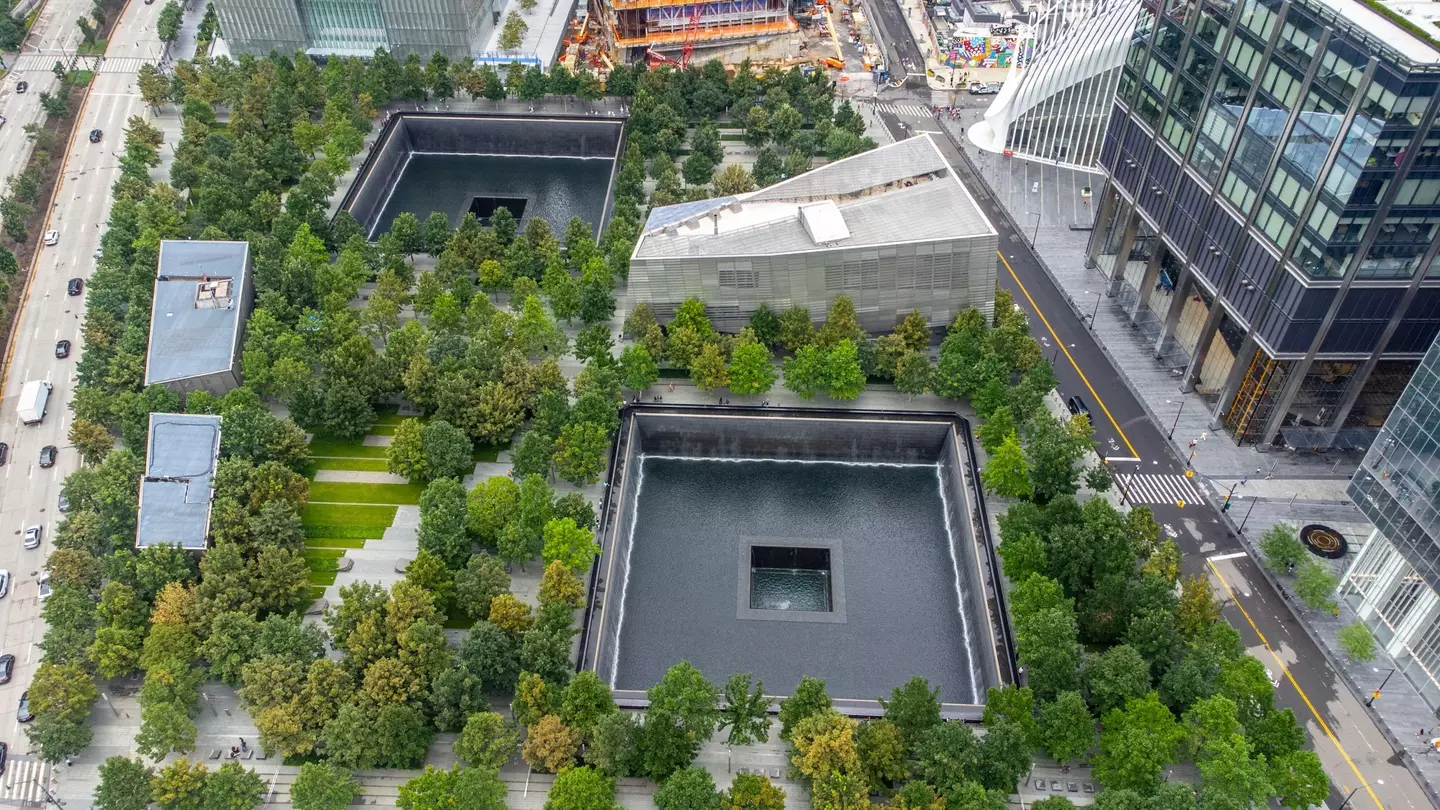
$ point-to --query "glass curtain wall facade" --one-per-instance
(1284, 161)
(1393, 582)
(456, 28)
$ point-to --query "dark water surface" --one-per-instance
(557, 188)
(892, 571)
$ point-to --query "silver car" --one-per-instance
(32, 536)
(4, 582)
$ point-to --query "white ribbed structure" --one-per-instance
(1054, 111)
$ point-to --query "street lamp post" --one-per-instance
(1347, 799)
(1253, 501)
(1176, 423)
(1369, 701)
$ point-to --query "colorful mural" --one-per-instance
(980, 51)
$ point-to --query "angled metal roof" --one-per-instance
(187, 340)
(902, 193)
(175, 493)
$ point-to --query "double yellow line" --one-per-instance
(1060, 343)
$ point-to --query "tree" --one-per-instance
(482, 580)
(550, 745)
(824, 744)
(767, 168)
(1358, 642)
(745, 713)
(1115, 676)
(752, 370)
(1299, 780)
(569, 544)
(1047, 646)
(1067, 729)
(750, 791)
(478, 788)
(442, 522)
(914, 374)
(580, 453)
(638, 369)
(1315, 586)
(447, 451)
(1052, 448)
(1007, 472)
(805, 371)
(513, 33)
(179, 785)
(914, 708)
(684, 692)
(435, 230)
(733, 179)
(586, 700)
(707, 370)
(809, 698)
(1282, 547)
(559, 586)
(322, 786)
(582, 788)
(1198, 608)
(612, 748)
(487, 741)
(491, 506)
(1231, 775)
(843, 378)
(1138, 742)
(882, 752)
(167, 26)
(93, 440)
(689, 788)
(232, 787)
(124, 784)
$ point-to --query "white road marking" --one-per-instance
(1232, 556)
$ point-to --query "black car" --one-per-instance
(62, 349)
(4, 754)
(96, 135)
(23, 714)
(22, 87)
(7, 667)
(4, 452)
(47, 459)
(1078, 407)
(76, 286)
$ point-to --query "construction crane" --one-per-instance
(687, 42)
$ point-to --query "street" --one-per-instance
(29, 494)
(1355, 752)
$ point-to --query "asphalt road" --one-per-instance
(1354, 750)
(901, 52)
(28, 493)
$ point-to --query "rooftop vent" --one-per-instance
(214, 294)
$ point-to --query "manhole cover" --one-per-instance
(1324, 541)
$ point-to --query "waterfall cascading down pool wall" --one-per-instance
(422, 162)
(704, 503)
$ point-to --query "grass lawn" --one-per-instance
(333, 463)
(322, 578)
(78, 78)
(347, 514)
(345, 449)
(95, 48)
(337, 545)
(383, 430)
(331, 554)
(460, 622)
(314, 592)
(488, 452)
(361, 531)
(669, 374)
(362, 493)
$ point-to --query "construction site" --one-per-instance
(770, 33)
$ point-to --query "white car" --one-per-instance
(44, 587)
(4, 582)
(52, 237)
(32, 537)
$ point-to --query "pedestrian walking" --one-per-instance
(243, 746)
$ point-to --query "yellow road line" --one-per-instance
(1075, 365)
(1301, 692)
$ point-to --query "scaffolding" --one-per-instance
(666, 24)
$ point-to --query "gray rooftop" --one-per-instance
(175, 492)
(195, 319)
(901, 193)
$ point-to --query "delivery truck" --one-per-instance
(33, 397)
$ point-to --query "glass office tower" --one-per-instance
(1392, 583)
(1271, 207)
(457, 28)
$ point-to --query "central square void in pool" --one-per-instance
(790, 578)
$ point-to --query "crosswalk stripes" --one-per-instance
(1158, 489)
(911, 110)
(44, 63)
(24, 782)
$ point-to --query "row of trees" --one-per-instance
(1102, 633)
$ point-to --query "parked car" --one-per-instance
(1078, 407)
(52, 237)
(62, 349)
(32, 536)
(4, 754)
(47, 455)
(21, 87)
(64, 503)
(76, 285)
(4, 582)
(96, 135)
(44, 587)
(4, 452)
(984, 88)
(23, 714)
(7, 667)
